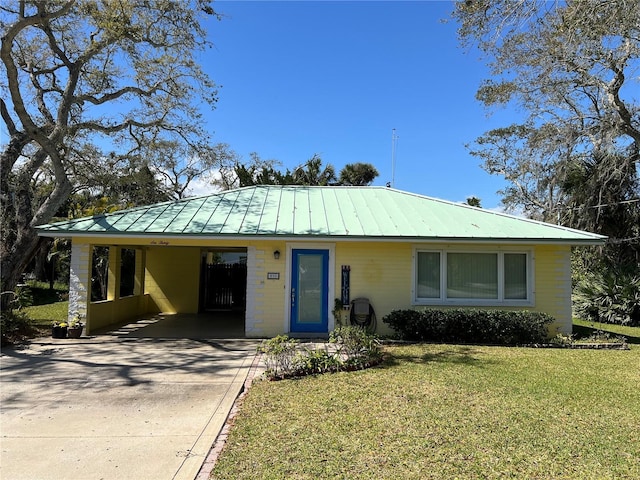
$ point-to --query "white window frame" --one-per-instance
(488, 302)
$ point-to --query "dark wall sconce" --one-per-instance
(276, 254)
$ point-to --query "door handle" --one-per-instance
(293, 296)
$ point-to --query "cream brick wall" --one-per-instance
(380, 271)
(79, 279)
(383, 273)
(553, 285)
(265, 316)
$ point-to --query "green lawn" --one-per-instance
(46, 306)
(447, 411)
(46, 314)
(43, 316)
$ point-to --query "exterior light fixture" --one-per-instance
(276, 254)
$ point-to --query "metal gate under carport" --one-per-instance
(223, 286)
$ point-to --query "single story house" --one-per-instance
(289, 257)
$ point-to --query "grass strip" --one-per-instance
(44, 315)
(584, 329)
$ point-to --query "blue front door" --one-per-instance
(310, 291)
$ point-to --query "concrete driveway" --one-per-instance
(110, 407)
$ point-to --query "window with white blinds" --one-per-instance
(472, 277)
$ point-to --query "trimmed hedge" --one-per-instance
(495, 327)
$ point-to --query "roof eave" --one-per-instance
(345, 238)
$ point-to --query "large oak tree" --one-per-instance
(95, 76)
(572, 69)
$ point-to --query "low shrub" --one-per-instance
(609, 297)
(499, 327)
(349, 348)
(15, 325)
(562, 340)
(356, 347)
(278, 355)
(309, 362)
(354, 341)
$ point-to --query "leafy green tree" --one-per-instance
(266, 172)
(80, 73)
(357, 174)
(312, 173)
(261, 172)
(231, 172)
(571, 69)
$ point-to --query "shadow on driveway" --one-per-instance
(116, 406)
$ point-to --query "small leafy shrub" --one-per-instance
(562, 340)
(309, 362)
(353, 341)
(23, 296)
(609, 297)
(499, 327)
(604, 337)
(15, 325)
(278, 354)
(349, 348)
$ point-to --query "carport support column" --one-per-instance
(80, 281)
(113, 283)
(255, 286)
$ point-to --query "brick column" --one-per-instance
(80, 281)
(254, 314)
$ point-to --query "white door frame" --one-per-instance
(331, 247)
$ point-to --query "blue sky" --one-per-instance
(334, 78)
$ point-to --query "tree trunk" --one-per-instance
(41, 265)
(15, 260)
(17, 217)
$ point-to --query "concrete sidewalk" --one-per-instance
(113, 408)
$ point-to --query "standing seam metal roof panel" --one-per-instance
(268, 216)
(166, 219)
(294, 211)
(285, 223)
(317, 213)
(369, 221)
(253, 216)
(335, 221)
(123, 222)
(219, 218)
(238, 212)
(350, 215)
(151, 215)
(202, 216)
(191, 208)
(301, 220)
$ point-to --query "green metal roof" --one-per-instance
(302, 212)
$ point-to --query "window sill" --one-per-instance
(473, 303)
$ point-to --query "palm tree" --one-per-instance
(312, 173)
(360, 174)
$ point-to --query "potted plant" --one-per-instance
(59, 330)
(75, 326)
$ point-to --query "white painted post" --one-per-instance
(253, 321)
(80, 281)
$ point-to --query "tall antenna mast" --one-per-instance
(394, 139)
